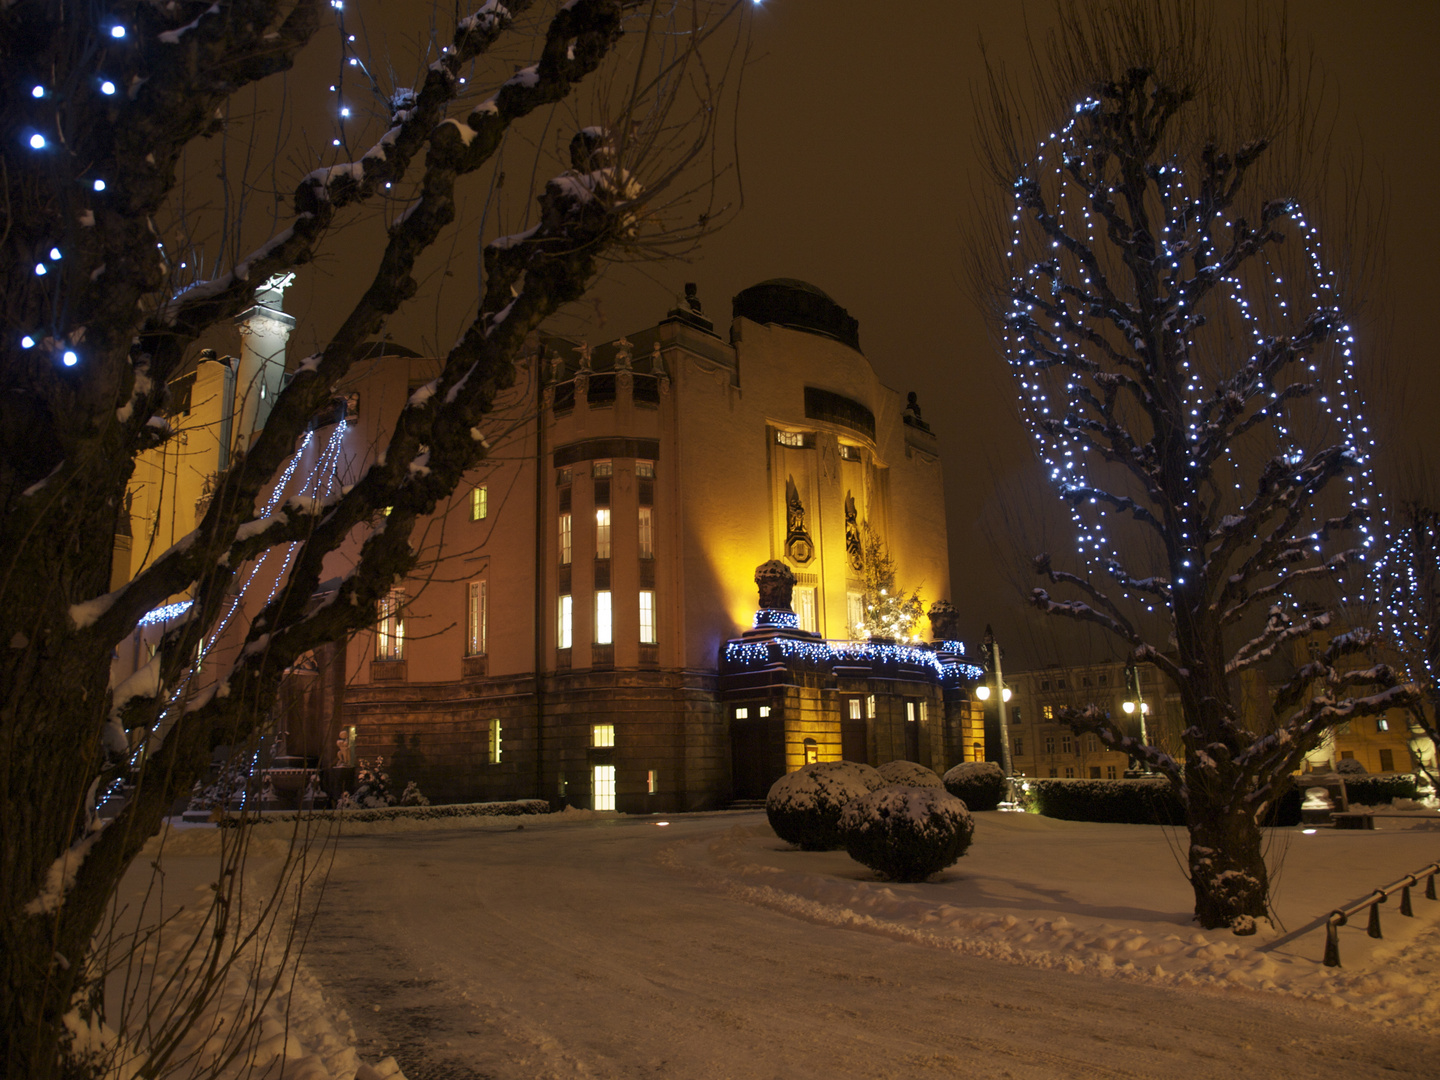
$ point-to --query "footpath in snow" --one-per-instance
(1113, 900)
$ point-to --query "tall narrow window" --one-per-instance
(565, 530)
(647, 617)
(854, 612)
(604, 780)
(564, 622)
(924, 711)
(652, 782)
(494, 742)
(476, 617)
(647, 532)
(479, 502)
(604, 624)
(870, 706)
(390, 633)
(602, 532)
(1065, 744)
(805, 602)
(855, 708)
(1019, 746)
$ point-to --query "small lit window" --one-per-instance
(647, 617)
(647, 532)
(1048, 711)
(645, 470)
(790, 438)
(494, 742)
(979, 751)
(476, 617)
(479, 502)
(1382, 724)
(870, 706)
(603, 468)
(565, 539)
(764, 710)
(742, 713)
(849, 453)
(924, 711)
(855, 708)
(602, 735)
(604, 624)
(812, 751)
(910, 712)
(564, 622)
(390, 632)
(602, 532)
(805, 608)
(652, 782)
(604, 787)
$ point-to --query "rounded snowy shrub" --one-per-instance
(908, 774)
(907, 833)
(979, 784)
(804, 806)
(1350, 767)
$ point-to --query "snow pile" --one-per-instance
(907, 833)
(908, 774)
(980, 785)
(804, 806)
(1109, 900)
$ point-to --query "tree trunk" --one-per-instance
(1227, 862)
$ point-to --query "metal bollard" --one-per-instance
(1332, 938)
(1430, 886)
(1374, 928)
(1405, 908)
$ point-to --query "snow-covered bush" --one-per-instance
(980, 785)
(1375, 790)
(1132, 802)
(412, 796)
(373, 788)
(1350, 767)
(907, 833)
(804, 806)
(908, 774)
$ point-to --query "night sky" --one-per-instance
(857, 144)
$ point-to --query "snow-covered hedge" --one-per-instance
(1127, 802)
(980, 785)
(908, 774)
(804, 806)
(907, 833)
(1380, 788)
(519, 807)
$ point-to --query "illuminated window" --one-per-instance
(652, 782)
(494, 742)
(564, 622)
(476, 617)
(565, 531)
(1382, 724)
(910, 711)
(805, 608)
(647, 532)
(764, 710)
(390, 633)
(742, 713)
(603, 468)
(855, 708)
(1048, 711)
(1065, 744)
(924, 711)
(812, 751)
(479, 502)
(604, 624)
(602, 735)
(789, 438)
(854, 613)
(602, 532)
(870, 706)
(849, 453)
(1019, 746)
(979, 751)
(647, 617)
(645, 470)
(604, 779)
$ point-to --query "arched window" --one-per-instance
(812, 751)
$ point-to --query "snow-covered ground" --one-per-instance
(584, 945)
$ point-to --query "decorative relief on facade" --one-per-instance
(582, 384)
(799, 548)
(586, 357)
(852, 533)
(622, 355)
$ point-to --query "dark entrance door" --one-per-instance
(750, 758)
(912, 734)
(854, 745)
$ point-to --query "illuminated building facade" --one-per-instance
(582, 626)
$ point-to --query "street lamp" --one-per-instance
(992, 661)
(1135, 703)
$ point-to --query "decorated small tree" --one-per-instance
(890, 612)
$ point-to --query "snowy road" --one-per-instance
(596, 950)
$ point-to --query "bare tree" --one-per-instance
(101, 107)
(1186, 362)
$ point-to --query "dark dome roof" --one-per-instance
(798, 305)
